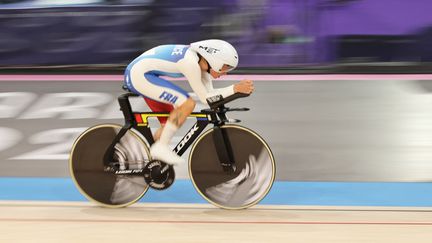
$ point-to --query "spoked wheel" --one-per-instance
(252, 178)
(87, 169)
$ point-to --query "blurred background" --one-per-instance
(321, 128)
(270, 35)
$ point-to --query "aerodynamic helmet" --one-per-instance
(217, 53)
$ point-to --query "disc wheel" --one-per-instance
(87, 169)
(248, 184)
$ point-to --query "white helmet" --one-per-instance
(217, 53)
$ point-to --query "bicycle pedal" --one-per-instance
(159, 175)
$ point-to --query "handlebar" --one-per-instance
(217, 109)
(218, 101)
(214, 102)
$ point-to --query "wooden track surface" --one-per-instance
(26, 221)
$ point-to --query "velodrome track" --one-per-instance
(81, 222)
(357, 141)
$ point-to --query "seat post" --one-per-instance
(126, 107)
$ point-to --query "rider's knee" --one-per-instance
(189, 104)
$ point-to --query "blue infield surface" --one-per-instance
(283, 192)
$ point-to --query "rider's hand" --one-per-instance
(245, 86)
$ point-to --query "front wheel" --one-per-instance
(87, 168)
(248, 184)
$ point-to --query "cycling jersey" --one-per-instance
(142, 75)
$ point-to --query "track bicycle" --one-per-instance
(230, 166)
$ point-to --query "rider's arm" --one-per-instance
(192, 72)
(207, 81)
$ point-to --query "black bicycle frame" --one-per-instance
(142, 126)
(139, 121)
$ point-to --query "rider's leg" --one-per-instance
(176, 119)
(177, 116)
(157, 106)
(157, 134)
(158, 89)
(160, 149)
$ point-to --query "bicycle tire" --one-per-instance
(254, 175)
(87, 170)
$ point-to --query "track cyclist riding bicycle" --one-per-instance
(199, 63)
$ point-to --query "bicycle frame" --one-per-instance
(139, 121)
(142, 126)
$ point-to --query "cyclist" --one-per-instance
(199, 63)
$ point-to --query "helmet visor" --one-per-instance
(226, 68)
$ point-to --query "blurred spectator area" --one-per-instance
(267, 33)
(93, 32)
(377, 31)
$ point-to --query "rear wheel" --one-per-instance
(248, 184)
(87, 169)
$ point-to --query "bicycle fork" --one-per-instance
(224, 150)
